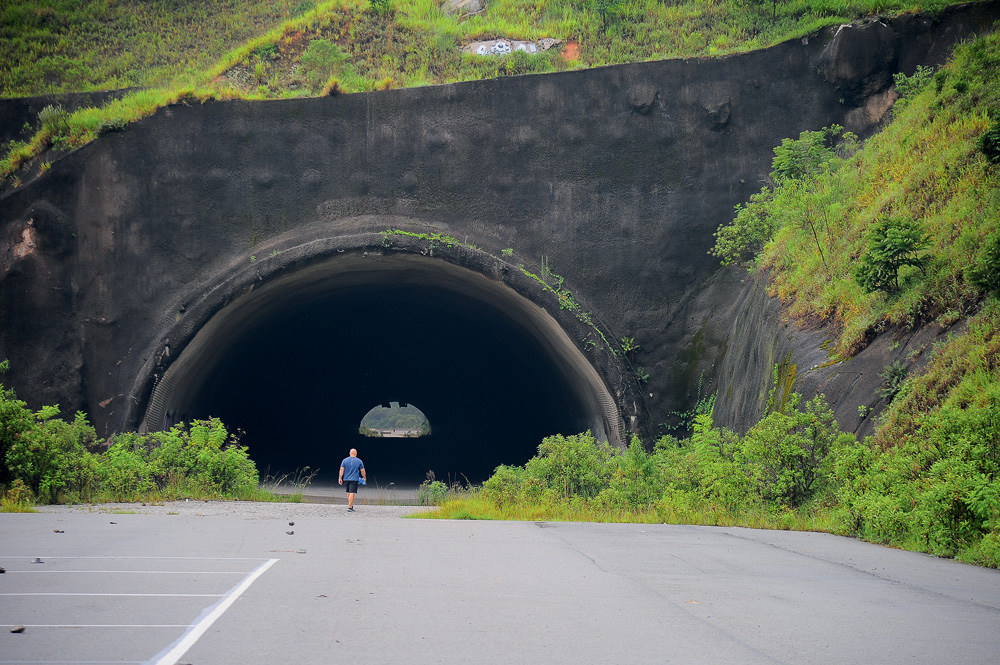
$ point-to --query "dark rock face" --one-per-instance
(860, 60)
(614, 179)
(762, 341)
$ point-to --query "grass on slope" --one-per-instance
(187, 50)
(51, 46)
(925, 169)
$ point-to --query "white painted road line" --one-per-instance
(135, 572)
(140, 595)
(124, 558)
(104, 625)
(188, 639)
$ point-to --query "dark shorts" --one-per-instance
(351, 486)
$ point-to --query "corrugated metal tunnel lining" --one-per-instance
(298, 362)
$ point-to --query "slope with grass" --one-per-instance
(60, 46)
(251, 49)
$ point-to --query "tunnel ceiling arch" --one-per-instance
(296, 360)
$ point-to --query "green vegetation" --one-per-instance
(49, 460)
(220, 49)
(937, 492)
(52, 46)
(63, 46)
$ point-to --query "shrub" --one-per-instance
(635, 480)
(892, 377)
(785, 455)
(989, 143)
(54, 119)
(17, 499)
(15, 420)
(124, 469)
(742, 239)
(571, 465)
(893, 242)
(321, 61)
(431, 493)
(909, 87)
(505, 486)
(985, 272)
(51, 458)
(805, 157)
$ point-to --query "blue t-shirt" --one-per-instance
(352, 468)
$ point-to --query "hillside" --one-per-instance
(223, 49)
(292, 47)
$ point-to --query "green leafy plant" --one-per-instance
(382, 7)
(907, 87)
(892, 377)
(432, 493)
(629, 345)
(51, 457)
(786, 452)
(893, 242)
(809, 155)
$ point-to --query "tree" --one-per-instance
(811, 153)
(893, 242)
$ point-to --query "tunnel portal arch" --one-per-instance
(294, 354)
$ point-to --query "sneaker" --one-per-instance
(350, 510)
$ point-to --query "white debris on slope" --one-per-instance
(508, 46)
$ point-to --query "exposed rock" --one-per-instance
(718, 109)
(458, 7)
(860, 61)
(642, 98)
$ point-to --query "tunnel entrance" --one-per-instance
(293, 363)
(394, 421)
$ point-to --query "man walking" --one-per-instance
(352, 470)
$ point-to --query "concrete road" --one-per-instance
(374, 588)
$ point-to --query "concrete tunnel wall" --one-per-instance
(357, 330)
(113, 260)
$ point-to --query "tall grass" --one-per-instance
(51, 46)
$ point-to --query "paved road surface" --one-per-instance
(214, 586)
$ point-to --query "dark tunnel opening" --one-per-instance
(301, 366)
